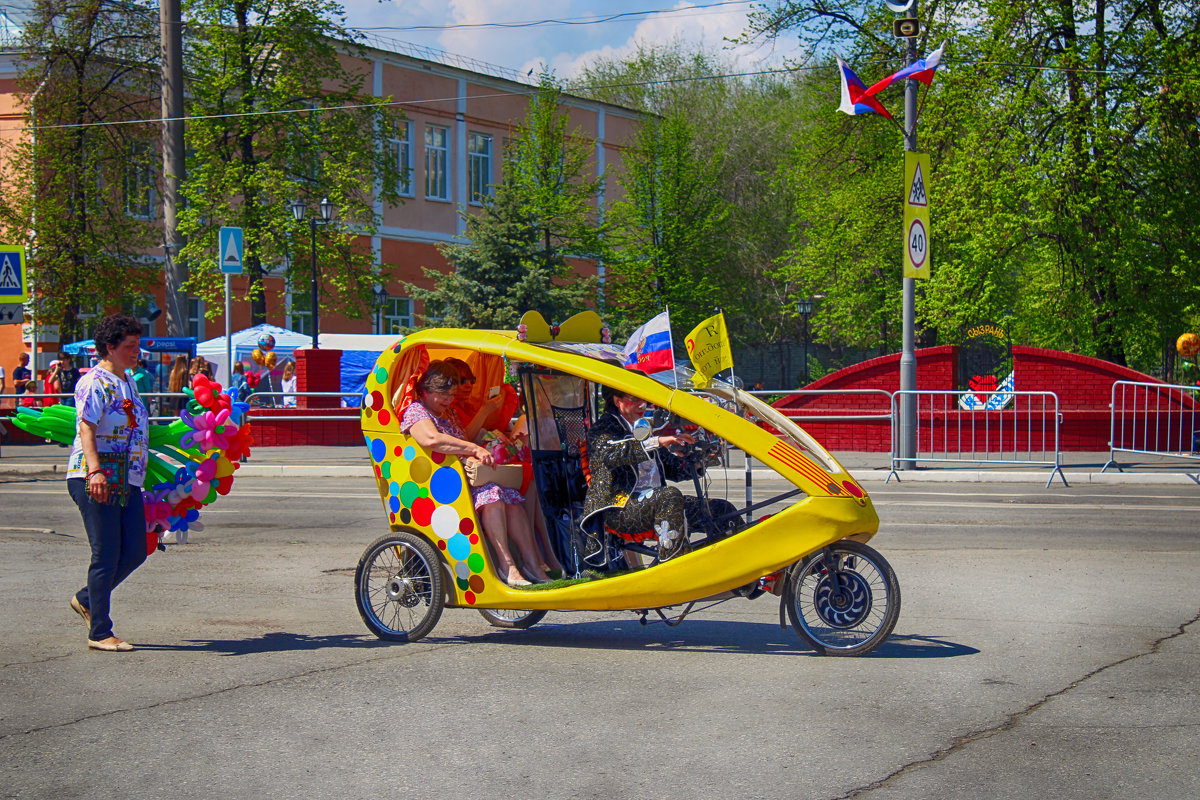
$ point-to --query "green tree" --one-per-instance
(275, 115)
(670, 229)
(522, 249)
(708, 158)
(1049, 130)
(79, 182)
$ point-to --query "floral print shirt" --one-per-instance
(112, 404)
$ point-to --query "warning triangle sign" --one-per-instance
(916, 192)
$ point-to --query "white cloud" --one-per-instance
(708, 29)
(564, 48)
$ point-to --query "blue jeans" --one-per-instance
(118, 538)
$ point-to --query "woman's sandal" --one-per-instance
(111, 645)
(78, 608)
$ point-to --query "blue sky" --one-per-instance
(564, 48)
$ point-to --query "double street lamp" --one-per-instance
(327, 211)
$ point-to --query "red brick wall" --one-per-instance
(1083, 386)
(342, 429)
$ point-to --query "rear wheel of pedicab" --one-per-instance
(398, 587)
(511, 617)
(847, 615)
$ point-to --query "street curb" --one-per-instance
(870, 475)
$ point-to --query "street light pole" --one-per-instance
(908, 356)
(327, 210)
(805, 306)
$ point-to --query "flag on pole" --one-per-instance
(708, 347)
(649, 349)
(922, 70)
(856, 97)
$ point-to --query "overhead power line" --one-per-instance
(534, 90)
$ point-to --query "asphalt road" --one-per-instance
(1047, 647)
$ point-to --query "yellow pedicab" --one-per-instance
(840, 595)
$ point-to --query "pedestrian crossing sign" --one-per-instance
(14, 285)
(231, 252)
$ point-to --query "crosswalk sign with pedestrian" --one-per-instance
(14, 287)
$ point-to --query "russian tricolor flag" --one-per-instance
(649, 349)
(856, 97)
(922, 70)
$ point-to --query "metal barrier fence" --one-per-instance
(1014, 435)
(267, 401)
(1155, 419)
(856, 414)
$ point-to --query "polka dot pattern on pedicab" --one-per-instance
(426, 491)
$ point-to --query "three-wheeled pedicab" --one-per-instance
(840, 595)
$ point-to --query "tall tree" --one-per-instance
(703, 179)
(670, 228)
(523, 247)
(274, 115)
(79, 182)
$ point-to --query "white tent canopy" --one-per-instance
(374, 342)
(245, 341)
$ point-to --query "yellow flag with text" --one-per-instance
(708, 347)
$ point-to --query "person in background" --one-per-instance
(179, 378)
(144, 382)
(51, 385)
(142, 378)
(288, 384)
(237, 382)
(22, 378)
(105, 473)
(21, 374)
(68, 377)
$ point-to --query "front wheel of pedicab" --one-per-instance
(848, 610)
(398, 587)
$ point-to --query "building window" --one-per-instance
(401, 149)
(195, 318)
(300, 315)
(437, 162)
(397, 315)
(139, 308)
(479, 166)
(139, 181)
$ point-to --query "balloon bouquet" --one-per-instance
(1188, 345)
(262, 356)
(191, 460)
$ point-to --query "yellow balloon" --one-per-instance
(257, 357)
(1188, 345)
(271, 359)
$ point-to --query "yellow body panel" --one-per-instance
(427, 493)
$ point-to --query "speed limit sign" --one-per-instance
(918, 244)
(916, 215)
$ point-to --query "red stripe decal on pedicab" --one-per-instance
(794, 459)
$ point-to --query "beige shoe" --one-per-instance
(111, 645)
(78, 608)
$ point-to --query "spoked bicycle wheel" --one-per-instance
(511, 617)
(849, 610)
(398, 587)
